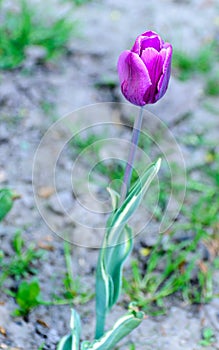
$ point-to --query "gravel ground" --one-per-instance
(107, 28)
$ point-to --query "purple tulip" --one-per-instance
(144, 71)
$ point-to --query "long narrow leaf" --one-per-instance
(116, 247)
(108, 284)
(131, 203)
(121, 328)
(72, 341)
(65, 343)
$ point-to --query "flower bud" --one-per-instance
(144, 71)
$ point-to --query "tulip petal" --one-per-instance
(165, 77)
(134, 77)
(154, 63)
(147, 39)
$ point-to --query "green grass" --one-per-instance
(212, 86)
(73, 289)
(22, 262)
(175, 266)
(208, 337)
(26, 28)
(188, 64)
(169, 270)
(21, 265)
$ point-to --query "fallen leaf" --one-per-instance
(3, 331)
(46, 246)
(43, 323)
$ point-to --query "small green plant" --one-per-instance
(91, 141)
(7, 198)
(73, 287)
(212, 86)
(183, 269)
(116, 247)
(27, 297)
(208, 337)
(25, 28)
(23, 261)
(149, 288)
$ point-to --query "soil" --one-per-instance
(76, 87)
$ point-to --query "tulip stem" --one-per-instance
(129, 165)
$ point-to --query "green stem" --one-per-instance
(129, 165)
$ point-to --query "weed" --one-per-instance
(73, 288)
(22, 262)
(175, 266)
(27, 297)
(212, 86)
(7, 197)
(132, 347)
(169, 270)
(18, 31)
(208, 337)
(91, 141)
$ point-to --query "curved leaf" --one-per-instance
(72, 341)
(121, 328)
(116, 247)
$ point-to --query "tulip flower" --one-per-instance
(144, 71)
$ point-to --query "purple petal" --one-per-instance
(165, 77)
(149, 33)
(154, 63)
(147, 39)
(134, 77)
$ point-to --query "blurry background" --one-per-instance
(56, 56)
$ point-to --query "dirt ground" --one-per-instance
(107, 27)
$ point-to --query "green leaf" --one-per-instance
(18, 243)
(131, 203)
(6, 202)
(108, 285)
(115, 197)
(27, 296)
(121, 328)
(116, 247)
(65, 343)
(72, 341)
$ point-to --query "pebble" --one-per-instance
(62, 204)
